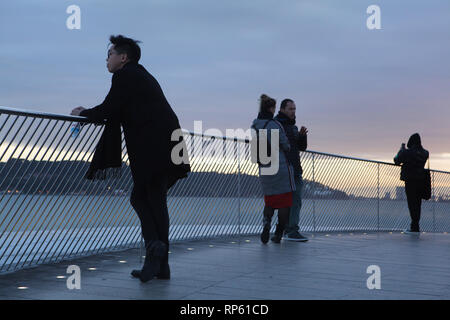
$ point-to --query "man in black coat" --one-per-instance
(298, 140)
(413, 161)
(137, 103)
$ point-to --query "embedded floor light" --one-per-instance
(92, 269)
(22, 288)
(60, 277)
(122, 261)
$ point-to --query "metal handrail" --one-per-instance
(55, 116)
(45, 115)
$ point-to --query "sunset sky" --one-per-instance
(359, 92)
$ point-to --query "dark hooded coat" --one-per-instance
(412, 159)
(297, 141)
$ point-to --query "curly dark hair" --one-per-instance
(266, 103)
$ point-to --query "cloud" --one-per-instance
(358, 91)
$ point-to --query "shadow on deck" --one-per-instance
(329, 266)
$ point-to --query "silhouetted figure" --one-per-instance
(137, 103)
(277, 188)
(412, 160)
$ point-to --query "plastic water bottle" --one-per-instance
(75, 129)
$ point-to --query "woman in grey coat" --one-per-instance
(277, 185)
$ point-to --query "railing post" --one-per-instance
(378, 197)
(313, 194)
(433, 198)
(239, 185)
(141, 248)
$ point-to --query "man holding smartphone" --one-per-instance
(298, 141)
(412, 160)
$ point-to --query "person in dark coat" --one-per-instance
(298, 140)
(137, 103)
(412, 160)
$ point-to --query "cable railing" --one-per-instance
(50, 213)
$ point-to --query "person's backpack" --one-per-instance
(426, 187)
(257, 143)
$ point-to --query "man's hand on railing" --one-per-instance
(77, 111)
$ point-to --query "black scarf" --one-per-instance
(107, 160)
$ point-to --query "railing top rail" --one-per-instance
(38, 114)
(55, 116)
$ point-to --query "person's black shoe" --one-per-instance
(164, 273)
(152, 263)
(278, 234)
(276, 238)
(265, 234)
(267, 221)
(136, 273)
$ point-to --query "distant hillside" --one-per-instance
(63, 177)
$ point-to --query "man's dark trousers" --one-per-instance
(294, 216)
(149, 200)
(413, 195)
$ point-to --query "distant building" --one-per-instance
(322, 193)
(400, 193)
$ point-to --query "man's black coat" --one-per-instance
(137, 101)
(297, 141)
